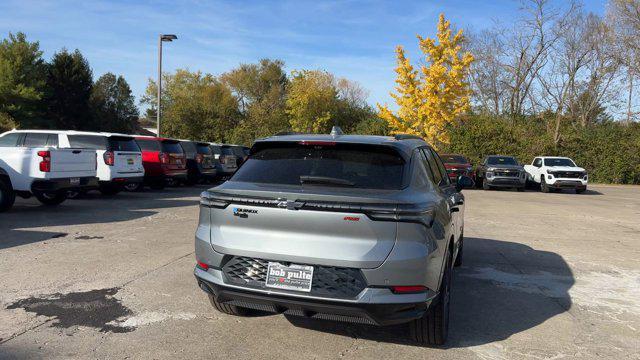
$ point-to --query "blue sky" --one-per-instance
(352, 39)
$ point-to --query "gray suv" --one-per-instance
(362, 229)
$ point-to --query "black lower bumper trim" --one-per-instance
(54, 185)
(371, 314)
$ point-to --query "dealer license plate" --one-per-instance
(292, 277)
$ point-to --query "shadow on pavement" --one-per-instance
(16, 226)
(502, 289)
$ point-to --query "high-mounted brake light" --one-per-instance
(408, 289)
(320, 143)
(45, 164)
(109, 158)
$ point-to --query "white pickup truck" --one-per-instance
(556, 173)
(32, 164)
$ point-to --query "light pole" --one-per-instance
(169, 38)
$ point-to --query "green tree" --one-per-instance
(312, 102)
(261, 91)
(6, 122)
(22, 81)
(69, 79)
(194, 106)
(112, 105)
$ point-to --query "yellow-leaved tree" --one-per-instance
(431, 97)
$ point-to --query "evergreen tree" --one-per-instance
(22, 81)
(112, 105)
(69, 79)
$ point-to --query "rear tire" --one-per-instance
(433, 327)
(51, 199)
(226, 308)
(7, 196)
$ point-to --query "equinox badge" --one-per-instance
(243, 213)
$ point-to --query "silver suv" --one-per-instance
(363, 229)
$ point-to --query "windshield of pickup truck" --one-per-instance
(501, 160)
(336, 165)
(558, 162)
(453, 159)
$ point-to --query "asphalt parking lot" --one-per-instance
(544, 276)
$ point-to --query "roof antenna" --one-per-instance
(336, 131)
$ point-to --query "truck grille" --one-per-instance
(567, 174)
(507, 173)
(328, 281)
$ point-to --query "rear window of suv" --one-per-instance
(203, 149)
(123, 143)
(172, 147)
(148, 145)
(340, 165)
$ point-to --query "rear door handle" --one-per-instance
(76, 151)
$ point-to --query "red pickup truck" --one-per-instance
(457, 165)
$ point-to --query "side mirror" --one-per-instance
(464, 182)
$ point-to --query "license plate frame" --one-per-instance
(291, 277)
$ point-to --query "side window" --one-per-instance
(9, 140)
(435, 172)
(52, 140)
(537, 162)
(35, 140)
(423, 174)
(443, 170)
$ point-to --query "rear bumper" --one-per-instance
(381, 314)
(54, 185)
(125, 180)
(208, 173)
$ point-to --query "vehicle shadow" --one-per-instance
(502, 289)
(19, 226)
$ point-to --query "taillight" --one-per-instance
(163, 157)
(408, 289)
(45, 164)
(420, 214)
(109, 158)
(199, 158)
(223, 159)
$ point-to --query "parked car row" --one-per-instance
(549, 173)
(53, 165)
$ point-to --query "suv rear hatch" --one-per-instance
(172, 156)
(204, 156)
(126, 153)
(309, 204)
